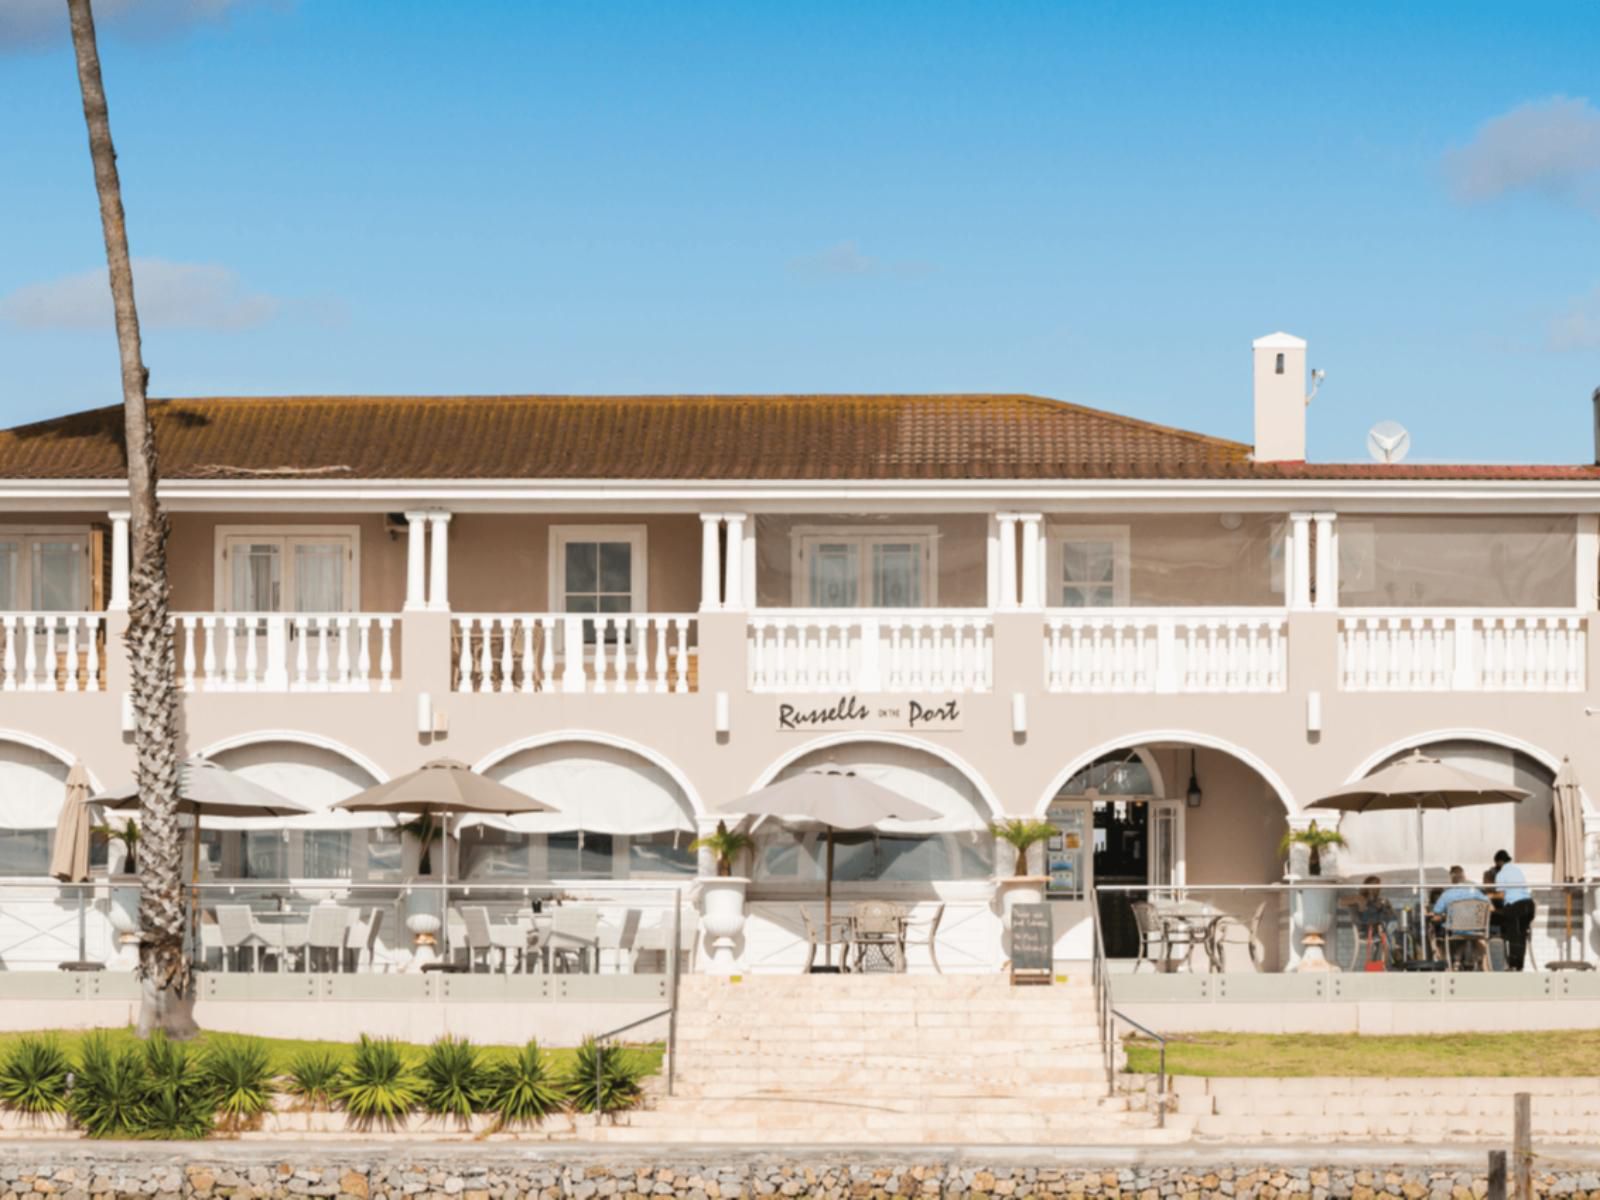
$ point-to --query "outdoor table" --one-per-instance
(1200, 919)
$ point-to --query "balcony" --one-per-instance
(1159, 650)
(870, 650)
(53, 652)
(572, 653)
(286, 652)
(1445, 650)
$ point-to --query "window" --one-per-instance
(1088, 566)
(597, 569)
(851, 568)
(274, 570)
(44, 571)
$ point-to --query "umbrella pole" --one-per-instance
(444, 895)
(1422, 885)
(827, 905)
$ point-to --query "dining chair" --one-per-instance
(1222, 937)
(1152, 932)
(836, 934)
(362, 945)
(652, 942)
(877, 926)
(211, 945)
(325, 940)
(574, 939)
(1466, 924)
(236, 930)
(923, 933)
(479, 941)
(618, 940)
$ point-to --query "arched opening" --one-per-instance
(327, 844)
(32, 789)
(956, 846)
(1146, 819)
(619, 816)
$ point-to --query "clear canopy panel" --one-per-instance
(1154, 560)
(32, 790)
(1440, 561)
(909, 560)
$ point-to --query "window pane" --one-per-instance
(897, 575)
(833, 575)
(568, 860)
(384, 860)
(616, 604)
(319, 577)
(582, 604)
(660, 854)
(25, 851)
(9, 561)
(326, 854)
(265, 855)
(616, 567)
(58, 576)
(1088, 562)
(583, 566)
(489, 853)
(257, 577)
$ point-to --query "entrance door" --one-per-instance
(1165, 865)
(1121, 859)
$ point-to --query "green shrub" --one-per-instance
(313, 1078)
(179, 1100)
(603, 1079)
(376, 1086)
(520, 1090)
(452, 1079)
(33, 1077)
(108, 1093)
(238, 1073)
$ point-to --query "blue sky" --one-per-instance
(1099, 203)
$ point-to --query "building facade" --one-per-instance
(641, 608)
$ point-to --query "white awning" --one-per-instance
(595, 788)
(32, 787)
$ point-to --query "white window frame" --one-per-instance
(802, 537)
(1121, 539)
(25, 536)
(222, 572)
(637, 537)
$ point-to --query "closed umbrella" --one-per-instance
(836, 799)
(69, 857)
(1568, 865)
(1421, 783)
(438, 789)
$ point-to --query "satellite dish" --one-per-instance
(1388, 442)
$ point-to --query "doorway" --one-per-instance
(1121, 857)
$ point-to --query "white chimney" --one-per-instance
(1280, 374)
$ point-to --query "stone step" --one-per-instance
(1418, 1129)
(1073, 1092)
(1386, 1086)
(1376, 1108)
(939, 1020)
(725, 1098)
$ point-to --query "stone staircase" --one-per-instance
(888, 1058)
(1371, 1110)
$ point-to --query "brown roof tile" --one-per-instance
(663, 437)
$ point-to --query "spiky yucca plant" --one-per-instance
(313, 1078)
(238, 1072)
(452, 1079)
(108, 1094)
(377, 1085)
(179, 1101)
(604, 1079)
(520, 1089)
(33, 1077)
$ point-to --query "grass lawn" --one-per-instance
(285, 1050)
(1558, 1052)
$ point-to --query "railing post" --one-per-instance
(871, 678)
(1464, 678)
(276, 677)
(572, 665)
(1166, 655)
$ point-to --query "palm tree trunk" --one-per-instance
(167, 997)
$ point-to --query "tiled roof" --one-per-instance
(663, 437)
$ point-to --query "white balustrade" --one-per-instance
(285, 652)
(52, 652)
(1160, 650)
(1393, 650)
(571, 652)
(870, 650)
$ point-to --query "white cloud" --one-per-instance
(845, 259)
(170, 295)
(1549, 147)
(1578, 328)
(40, 24)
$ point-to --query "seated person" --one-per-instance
(1373, 916)
(1459, 889)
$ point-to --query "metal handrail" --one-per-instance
(1109, 1016)
(1161, 1069)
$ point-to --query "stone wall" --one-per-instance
(490, 1171)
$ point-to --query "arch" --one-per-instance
(1157, 777)
(54, 751)
(905, 741)
(540, 740)
(1186, 737)
(1552, 762)
(319, 741)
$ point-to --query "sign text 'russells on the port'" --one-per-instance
(851, 712)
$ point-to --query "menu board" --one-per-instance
(1064, 852)
(1032, 943)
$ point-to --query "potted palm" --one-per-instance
(722, 895)
(1020, 887)
(1316, 905)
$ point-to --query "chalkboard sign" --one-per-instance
(1032, 943)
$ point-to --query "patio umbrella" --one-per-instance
(1421, 783)
(69, 857)
(834, 798)
(1568, 865)
(438, 789)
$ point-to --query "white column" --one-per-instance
(1299, 561)
(735, 583)
(439, 563)
(1327, 560)
(992, 562)
(416, 555)
(710, 563)
(749, 583)
(1008, 561)
(1588, 562)
(1032, 573)
(118, 601)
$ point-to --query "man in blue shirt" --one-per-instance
(1516, 917)
(1459, 889)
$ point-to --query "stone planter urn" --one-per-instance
(722, 917)
(424, 919)
(123, 913)
(1314, 910)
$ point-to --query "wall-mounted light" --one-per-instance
(724, 713)
(129, 721)
(1313, 712)
(1194, 795)
(424, 713)
(1019, 713)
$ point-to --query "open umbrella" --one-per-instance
(439, 789)
(836, 799)
(69, 857)
(1568, 865)
(1421, 783)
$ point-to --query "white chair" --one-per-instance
(574, 939)
(924, 933)
(211, 945)
(1228, 933)
(236, 931)
(618, 941)
(480, 941)
(650, 955)
(362, 946)
(330, 923)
